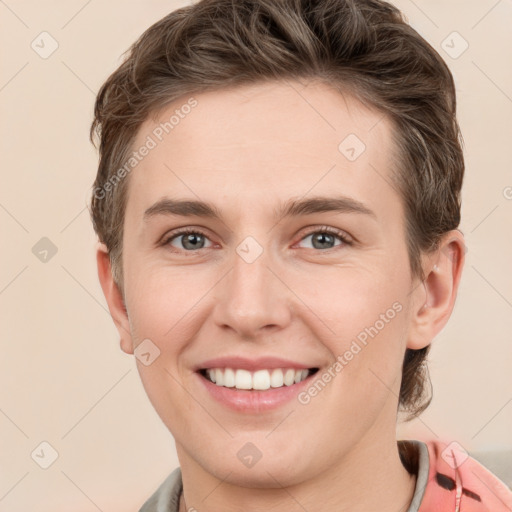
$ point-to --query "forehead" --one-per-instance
(262, 143)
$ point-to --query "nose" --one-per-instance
(253, 299)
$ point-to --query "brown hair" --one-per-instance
(361, 46)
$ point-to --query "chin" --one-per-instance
(269, 476)
(247, 468)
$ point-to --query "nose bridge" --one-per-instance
(252, 297)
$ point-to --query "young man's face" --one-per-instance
(262, 291)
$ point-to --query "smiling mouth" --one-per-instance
(259, 380)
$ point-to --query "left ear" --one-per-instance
(435, 297)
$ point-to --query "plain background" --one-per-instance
(64, 378)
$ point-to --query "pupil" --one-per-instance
(322, 237)
(192, 239)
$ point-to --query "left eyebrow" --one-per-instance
(291, 208)
(340, 204)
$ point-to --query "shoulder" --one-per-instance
(167, 497)
(456, 481)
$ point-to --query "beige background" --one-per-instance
(64, 379)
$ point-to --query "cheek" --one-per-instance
(349, 303)
(362, 323)
(162, 301)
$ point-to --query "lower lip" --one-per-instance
(254, 401)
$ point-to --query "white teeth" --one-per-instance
(243, 379)
(229, 378)
(289, 377)
(276, 379)
(259, 380)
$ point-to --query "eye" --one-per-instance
(324, 238)
(192, 239)
(189, 239)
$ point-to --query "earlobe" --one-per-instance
(114, 298)
(434, 301)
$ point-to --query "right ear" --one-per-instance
(114, 298)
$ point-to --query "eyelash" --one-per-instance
(321, 230)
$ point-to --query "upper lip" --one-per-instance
(254, 364)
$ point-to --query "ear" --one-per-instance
(114, 298)
(434, 298)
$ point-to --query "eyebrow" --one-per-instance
(291, 208)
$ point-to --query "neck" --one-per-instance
(397, 498)
(369, 477)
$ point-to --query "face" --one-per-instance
(295, 267)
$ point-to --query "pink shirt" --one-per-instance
(458, 483)
(447, 480)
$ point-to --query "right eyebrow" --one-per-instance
(184, 208)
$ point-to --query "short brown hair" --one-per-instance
(361, 46)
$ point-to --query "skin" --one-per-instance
(247, 150)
